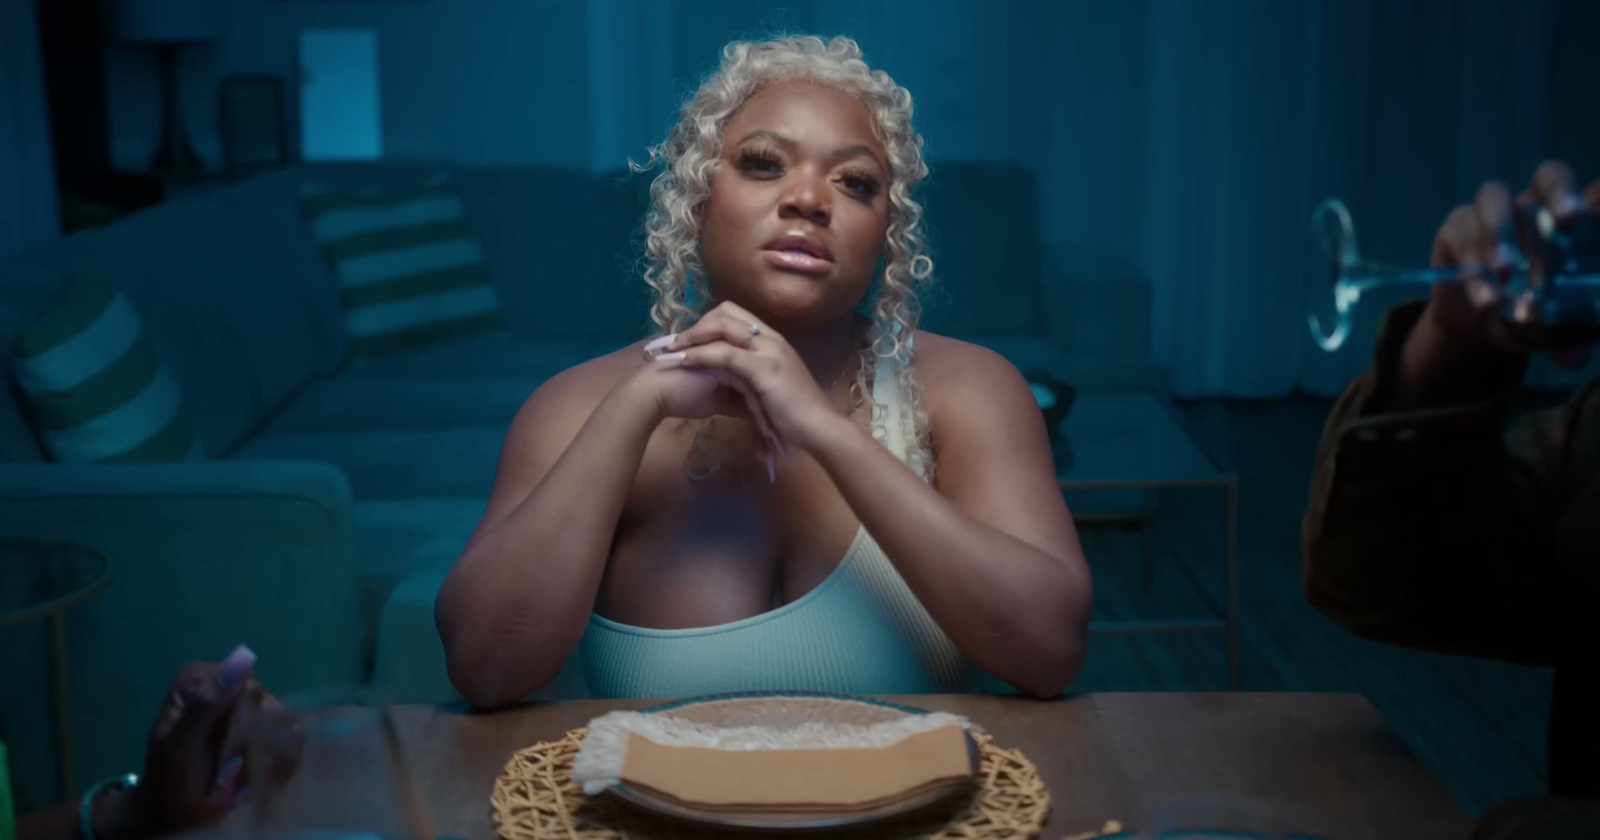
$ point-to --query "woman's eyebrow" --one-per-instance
(839, 154)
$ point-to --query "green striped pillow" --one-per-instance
(93, 385)
(409, 271)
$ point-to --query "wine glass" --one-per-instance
(1338, 275)
(332, 764)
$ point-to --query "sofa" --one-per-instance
(335, 493)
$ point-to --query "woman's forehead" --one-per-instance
(812, 115)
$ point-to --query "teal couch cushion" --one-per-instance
(493, 356)
(457, 462)
(221, 302)
(381, 403)
(396, 539)
(94, 387)
(409, 271)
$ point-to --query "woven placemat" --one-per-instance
(535, 798)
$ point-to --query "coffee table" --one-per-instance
(1323, 764)
(1137, 442)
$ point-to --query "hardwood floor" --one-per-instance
(1478, 725)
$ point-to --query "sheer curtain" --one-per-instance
(1190, 139)
(27, 175)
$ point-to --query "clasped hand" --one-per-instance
(730, 363)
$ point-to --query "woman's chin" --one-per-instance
(778, 297)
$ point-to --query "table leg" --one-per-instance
(1147, 564)
(64, 748)
(1232, 549)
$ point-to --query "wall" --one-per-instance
(487, 81)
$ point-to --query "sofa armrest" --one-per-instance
(206, 555)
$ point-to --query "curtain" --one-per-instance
(27, 175)
(1188, 138)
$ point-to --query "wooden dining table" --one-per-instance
(1324, 765)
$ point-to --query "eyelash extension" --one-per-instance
(868, 181)
(759, 156)
(755, 160)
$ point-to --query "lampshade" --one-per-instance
(167, 21)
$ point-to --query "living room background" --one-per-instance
(1177, 141)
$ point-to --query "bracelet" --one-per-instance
(114, 784)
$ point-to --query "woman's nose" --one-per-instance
(807, 200)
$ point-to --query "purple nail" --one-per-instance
(229, 769)
(236, 667)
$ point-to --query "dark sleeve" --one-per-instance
(1435, 529)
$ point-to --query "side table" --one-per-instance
(52, 578)
(1138, 442)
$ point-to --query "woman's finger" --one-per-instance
(731, 364)
(774, 445)
(1496, 237)
(720, 324)
(1458, 245)
(1554, 186)
(236, 732)
(740, 314)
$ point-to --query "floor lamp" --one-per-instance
(169, 26)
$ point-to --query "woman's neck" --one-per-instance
(830, 350)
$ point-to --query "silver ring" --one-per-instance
(755, 330)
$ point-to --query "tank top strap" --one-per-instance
(895, 415)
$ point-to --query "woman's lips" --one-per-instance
(797, 261)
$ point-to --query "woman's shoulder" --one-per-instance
(943, 361)
(582, 386)
(960, 378)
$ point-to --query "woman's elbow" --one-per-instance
(1062, 657)
(492, 662)
(1055, 670)
(488, 675)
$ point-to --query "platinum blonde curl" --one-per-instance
(691, 153)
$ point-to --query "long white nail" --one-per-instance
(671, 357)
(661, 343)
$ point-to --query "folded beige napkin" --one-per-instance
(829, 779)
(810, 767)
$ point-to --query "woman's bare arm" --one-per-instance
(992, 554)
(517, 601)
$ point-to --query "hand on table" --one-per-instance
(194, 762)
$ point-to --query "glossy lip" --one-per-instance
(797, 241)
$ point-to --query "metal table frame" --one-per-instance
(1225, 480)
(55, 610)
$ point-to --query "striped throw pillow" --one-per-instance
(93, 385)
(409, 271)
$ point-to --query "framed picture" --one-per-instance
(254, 123)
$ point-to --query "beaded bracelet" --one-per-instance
(115, 784)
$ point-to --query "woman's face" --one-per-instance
(799, 204)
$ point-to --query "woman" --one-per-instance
(681, 506)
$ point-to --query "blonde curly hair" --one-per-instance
(693, 150)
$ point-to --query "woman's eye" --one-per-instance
(760, 165)
(864, 187)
